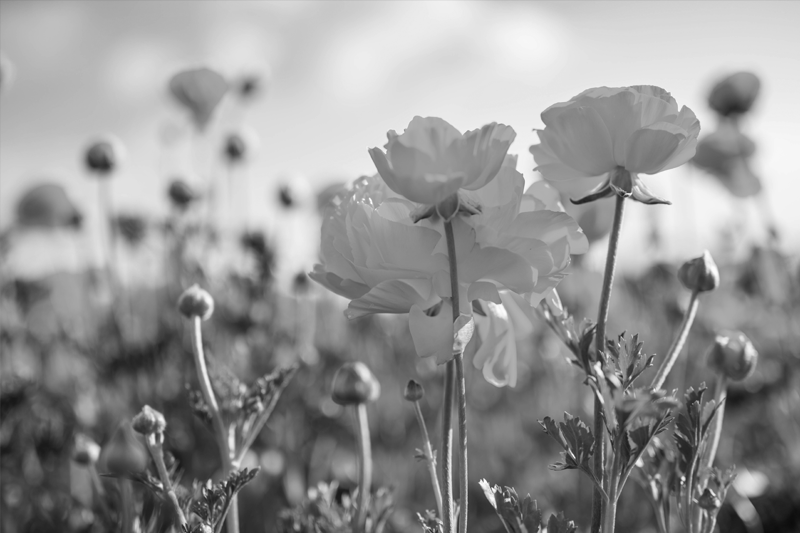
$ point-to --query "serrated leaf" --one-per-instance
(559, 524)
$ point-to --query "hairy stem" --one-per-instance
(364, 467)
(427, 449)
(677, 344)
(600, 345)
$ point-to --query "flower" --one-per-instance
(200, 91)
(181, 194)
(104, 156)
(354, 383)
(432, 160)
(619, 132)
(700, 274)
(734, 94)
(726, 154)
(196, 303)
(733, 355)
(149, 421)
(375, 255)
(47, 206)
(240, 145)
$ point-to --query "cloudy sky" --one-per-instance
(343, 73)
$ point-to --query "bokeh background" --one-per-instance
(336, 76)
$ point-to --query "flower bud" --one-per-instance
(353, 384)
(123, 453)
(196, 302)
(414, 391)
(709, 501)
(181, 194)
(699, 274)
(149, 421)
(733, 355)
(240, 145)
(286, 197)
(86, 451)
(103, 157)
(734, 94)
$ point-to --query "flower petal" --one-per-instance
(580, 139)
(432, 335)
(650, 148)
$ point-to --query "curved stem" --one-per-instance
(364, 467)
(430, 459)
(677, 344)
(460, 383)
(600, 344)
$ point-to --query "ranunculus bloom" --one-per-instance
(621, 132)
(432, 160)
(199, 90)
(734, 94)
(375, 255)
(726, 154)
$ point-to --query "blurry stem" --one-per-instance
(720, 394)
(429, 458)
(108, 235)
(364, 467)
(156, 451)
(97, 485)
(128, 504)
(460, 382)
(223, 437)
(447, 446)
(677, 344)
(600, 345)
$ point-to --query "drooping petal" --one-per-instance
(393, 296)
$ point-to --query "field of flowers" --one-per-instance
(452, 363)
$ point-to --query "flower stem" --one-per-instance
(600, 344)
(427, 449)
(447, 446)
(157, 453)
(460, 382)
(720, 394)
(365, 467)
(222, 435)
(128, 505)
(677, 344)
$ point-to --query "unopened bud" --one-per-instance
(240, 145)
(709, 501)
(103, 157)
(734, 94)
(181, 194)
(196, 302)
(86, 451)
(149, 421)
(700, 274)
(123, 453)
(285, 196)
(733, 355)
(414, 391)
(354, 383)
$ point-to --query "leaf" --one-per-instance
(559, 524)
(515, 515)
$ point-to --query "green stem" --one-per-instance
(128, 505)
(364, 467)
(427, 449)
(460, 383)
(677, 344)
(600, 344)
(447, 446)
(720, 393)
(157, 453)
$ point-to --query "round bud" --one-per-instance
(149, 421)
(104, 156)
(734, 94)
(86, 451)
(285, 196)
(123, 453)
(354, 383)
(181, 194)
(700, 274)
(240, 145)
(414, 391)
(196, 302)
(733, 355)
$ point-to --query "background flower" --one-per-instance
(431, 160)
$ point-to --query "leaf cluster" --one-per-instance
(522, 515)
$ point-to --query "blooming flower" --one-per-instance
(726, 154)
(200, 91)
(432, 160)
(734, 94)
(619, 132)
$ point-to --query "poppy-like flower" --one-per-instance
(47, 206)
(104, 156)
(432, 160)
(200, 90)
(734, 94)
(375, 254)
(618, 132)
(240, 145)
(726, 154)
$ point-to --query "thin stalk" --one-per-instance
(447, 446)
(364, 467)
(600, 344)
(614, 489)
(677, 344)
(222, 435)
(99, 491)
(720, 393)
(128, 505)
(460, 383)
(157, 453)
(427, 449)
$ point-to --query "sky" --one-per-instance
(341, 74)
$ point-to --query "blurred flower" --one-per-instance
(618, 132)
(734, 94)
(330, 194)
(414, 391)
(104, 156)
(285, 196)
(196, 302)
(7, 72)
(149, 421)
(432, 160)
(132, 228)
(200, 91)
(181, 194)
(85, 451)
(726, 155)
(354, 383)
(252, 85)
(123, 454)
(241, 145)
(700, 274)
(47, 206)
(733, 355)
